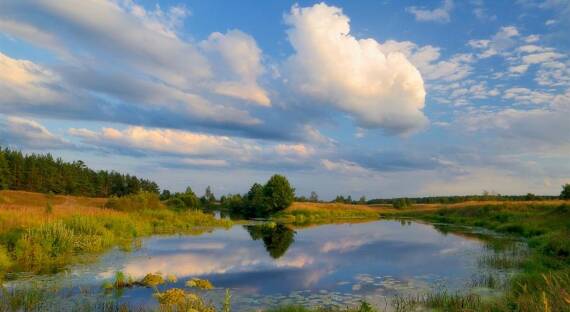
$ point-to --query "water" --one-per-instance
(337, 264)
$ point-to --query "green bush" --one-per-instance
(134, 202)
(401, 203)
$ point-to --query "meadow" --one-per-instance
(308, 213)
(43, 233)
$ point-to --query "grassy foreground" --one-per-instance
(41, 233)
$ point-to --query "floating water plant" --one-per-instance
(200, 283)
(152, 280)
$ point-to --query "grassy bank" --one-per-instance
(41, 233)
(543, 283)
(318, 213)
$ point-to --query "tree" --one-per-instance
(362, 200)
(256, 204)
(165, 195)
(565, 194)
(279, 193)
(401, 203)
(208, 199)
(4, 172)
(190, 199)
(314, 197)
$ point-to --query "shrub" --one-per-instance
(152, 280)
(565, 194)
(401, 203)
(5, 261)
(134, 202)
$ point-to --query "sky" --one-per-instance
(361, 98)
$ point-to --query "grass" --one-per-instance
(543, 283)
(317, 213)
(32, 240)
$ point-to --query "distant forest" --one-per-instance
(42, 173)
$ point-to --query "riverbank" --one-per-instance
(42, 234)
(303, 213)
(543, 283)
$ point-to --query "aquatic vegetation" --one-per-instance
(200, 283)
(171, 278)
(152, 280)
(176, 299)
(171, 296)
(227, 306)
(122, 280)
(364, 306)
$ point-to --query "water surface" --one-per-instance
(337, 264)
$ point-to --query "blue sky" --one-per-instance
(374, 98)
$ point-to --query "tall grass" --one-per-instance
(315, 213)
(33, 241)
(543, 281)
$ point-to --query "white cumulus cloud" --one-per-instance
(380, 90)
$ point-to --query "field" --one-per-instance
(317, 213)
(41, 233)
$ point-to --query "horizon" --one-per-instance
(376, 99)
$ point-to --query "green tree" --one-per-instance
(565, 194)
(279, 193)
(402, 203)
(256, 204)
(314, 197)
(208, 199)
(4, 172)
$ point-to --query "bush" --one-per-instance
(139, 201)
(401, 203)
(565, 194)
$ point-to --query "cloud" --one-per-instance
(330, 65)
(344, 167)
(23, 82)
(165, 141)
(178, 149)
(527, 130)
(440, 15)
(242, 57)
(503, 40)
(527, 96)
(145, 71)
(29, 133)
(299, 150)
(428, 60)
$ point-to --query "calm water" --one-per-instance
(329, 264)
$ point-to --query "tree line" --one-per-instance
(45, 174)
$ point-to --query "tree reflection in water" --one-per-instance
(276, 237)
